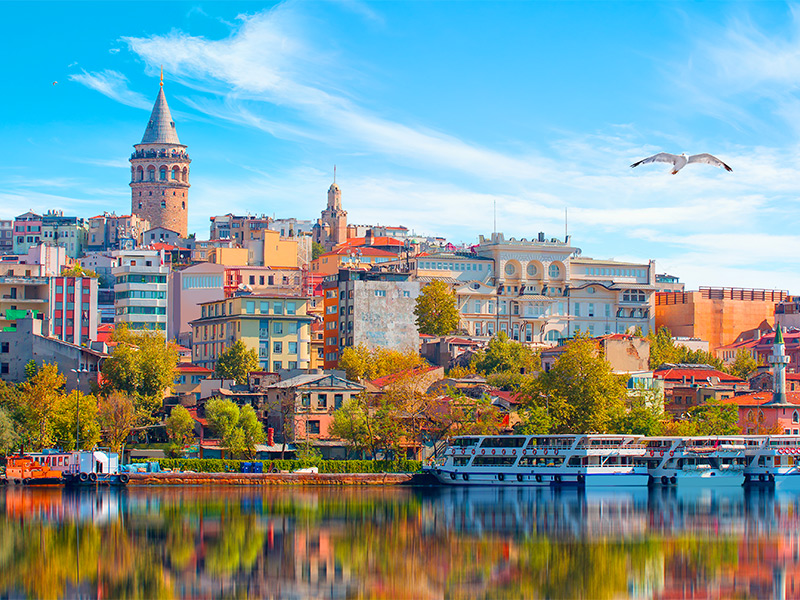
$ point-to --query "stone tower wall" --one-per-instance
(165, 203)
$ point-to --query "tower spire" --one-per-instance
(334, 173)
(162, 76)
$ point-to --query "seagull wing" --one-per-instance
(664, 157)
(709, 160)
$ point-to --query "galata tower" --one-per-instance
(160, 172)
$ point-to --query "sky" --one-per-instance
(433, 113)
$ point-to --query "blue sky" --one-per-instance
(432, 111)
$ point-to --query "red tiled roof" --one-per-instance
(379, 240)
(759, 398)
(699, 375)
(364, 250)
(163, 246)
(191, 368)
(510, 397)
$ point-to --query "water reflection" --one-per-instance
(398, 543)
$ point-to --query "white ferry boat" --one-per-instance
(773, 460)
(583, 460)
(695, 461)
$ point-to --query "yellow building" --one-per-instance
(350, 258)
(232, 257)
(277, 327)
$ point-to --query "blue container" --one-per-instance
(257, 467)
(246, 467)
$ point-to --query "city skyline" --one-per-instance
(433, 113)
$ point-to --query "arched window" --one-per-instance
(509, 269)
(795, 417)
(140, 173)
(532, 270)
(554, 271)
(163, 174)
(176, 173)
(163, 204)
(151, 173)
(183, 204)
(185, 174)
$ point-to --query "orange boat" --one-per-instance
(23, 469)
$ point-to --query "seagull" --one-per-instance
(681, 160)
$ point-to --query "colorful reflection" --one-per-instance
(397, 543)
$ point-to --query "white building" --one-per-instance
(540, 290)
(140, 289)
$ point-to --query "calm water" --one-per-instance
(397, 543)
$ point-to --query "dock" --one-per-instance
(174, 479)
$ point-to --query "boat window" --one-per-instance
(503, 442)
(461, 461)
(485, 461)
(540, 461)
(574, 462)
(464, 442)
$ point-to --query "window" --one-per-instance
(477, 306)
(291, 308)
(406, 294)
(4, 368)
(250, 307)
(577, 309)
(380, 293)
(313, 427)
(292, 327)
(322, 400)
(532, 270)
(509, 268)
(263, 307)
(252, 279)
(277, 308)
(277, 327)
(554, 272)
(277, 365)
(4, 349)
(338, 400)
(795, 417)
(292, 347)
(590, 312)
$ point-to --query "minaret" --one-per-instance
(160, 172)
(778, 360)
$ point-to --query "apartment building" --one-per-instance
(276, 326)
(73, 309)
(140, 289)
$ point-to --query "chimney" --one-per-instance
(368, 238)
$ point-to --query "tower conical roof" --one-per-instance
(161, 127)
(778, 336)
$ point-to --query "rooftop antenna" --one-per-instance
(162, 76)
(334, 173)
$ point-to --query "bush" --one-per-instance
(219, 465)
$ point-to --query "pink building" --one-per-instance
(73, 309)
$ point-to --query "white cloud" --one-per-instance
(112, 84)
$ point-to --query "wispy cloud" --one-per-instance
(112, 84)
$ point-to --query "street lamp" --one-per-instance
(78, 372)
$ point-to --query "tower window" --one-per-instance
(151, 193)
(163, 174)
(140, 205)
(183, 204)
(163, 204)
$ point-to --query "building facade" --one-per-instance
(140, 289)
(73, 309)
(110, 231)
(718, 315)
(71, 233)
(27, 232)
(23, 290)
(372, 308)
(6, 235)
(160, 172)
(331, 229)
(277, 327)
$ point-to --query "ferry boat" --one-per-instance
(95, 467)
(543, 460)
(773, 460)
(695, 461)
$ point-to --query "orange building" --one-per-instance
(717, 315)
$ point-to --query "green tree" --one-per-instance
(350, 425)
(252, 430)
(317, 250)
(77, 270)
(64, 421)
(663, 350)
(504, 355)
(716, 418)
(643, 416)
(180, 426)
(361, 362)
(743, 365)
(436, 310)
(580, 393)
(534, 420)
(236, 362)
(9, 439)
(143, 366)
(117, 417)
(239, 430)
(38, 397)
(31, 368)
